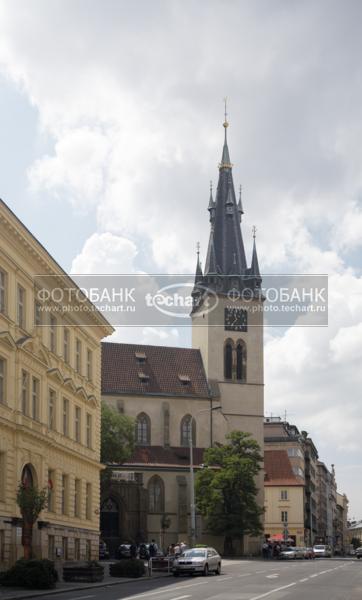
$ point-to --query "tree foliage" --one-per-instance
(31, 502)
(117, 436)
(226, 490)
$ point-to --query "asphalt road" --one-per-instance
(321, 579)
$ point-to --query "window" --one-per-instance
(37, 313)
(2, 545)
(24, 391)
(77, 424)
(35, 404)
(188, 426)
(78, 355)
(51, 547)
(52, 409)
(284, 494)
(65, 416)
(65, 548)
(65, 494)
(51, 490)
(88, 501)
(53, 334)
(2, 291)
(228, 361)
(241, 361)
(89, 365)
(156, 495)
(89, 431)
(76, 549)
(2, 475)
(143, 430)
(88, 550)
(284, 516)
(77, 497)
(295, 452)
(66, 345)
(2, 381)
(298, 471)
(21, 307)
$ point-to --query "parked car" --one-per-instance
(359, 552)
(197, 560)
(288, 553)
(299, 552)
(322, 551)
(103, 550)
(123, 551)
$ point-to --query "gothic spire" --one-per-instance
(254, 270)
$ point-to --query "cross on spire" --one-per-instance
(254, 231)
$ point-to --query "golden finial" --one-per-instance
(226, 124)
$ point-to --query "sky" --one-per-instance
(111, 129)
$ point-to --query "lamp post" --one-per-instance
(192, 478)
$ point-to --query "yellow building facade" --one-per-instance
(283, 499)
(49, 400)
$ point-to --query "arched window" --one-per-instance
(188, 425)
(156, 495)
(241, 361)
(27, 478)
(143, 430)
(228, 360)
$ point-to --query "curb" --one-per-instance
(88, 586)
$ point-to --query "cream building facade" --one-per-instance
(284, 499)
(49, 400)
(173, 391)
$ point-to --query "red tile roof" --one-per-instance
(162, 367)
(160, 456)
(278, 469)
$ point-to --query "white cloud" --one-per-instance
(105, 253)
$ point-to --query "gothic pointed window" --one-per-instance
(143, 430)
(188, 426)
(156, 495)
(241, 361)
(228, 360)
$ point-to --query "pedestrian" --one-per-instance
(171, 550)
(264, 550)
(133, 550)
(177, 549)
(153, 548)
(144, 554)
(183, 547)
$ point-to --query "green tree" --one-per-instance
(31, 502)
(226, 490)
(117, 436)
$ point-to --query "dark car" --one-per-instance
(103, 550)
(123, 551)
(359, 552)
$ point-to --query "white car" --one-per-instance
(197, 560)
(322, 550)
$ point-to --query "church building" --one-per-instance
(205, 391)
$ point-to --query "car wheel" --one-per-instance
(206, 570)
(218, 570)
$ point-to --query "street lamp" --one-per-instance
(192, 479)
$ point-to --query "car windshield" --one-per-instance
(319, 547)
(194, 553)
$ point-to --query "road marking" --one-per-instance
(180, 597)
(224, 578)
(260, 571)
(303, 580)
(180, 587)
(244, 575)
(83, 597)
(272, 576)
(279, 589)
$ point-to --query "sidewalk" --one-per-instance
(11, 593)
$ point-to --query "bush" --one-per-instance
(83, 571)
(132, 567)
(32, 574)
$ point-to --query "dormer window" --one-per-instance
(143, 377)
(140, 357)
(184, 379)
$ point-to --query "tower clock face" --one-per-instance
(236, 319)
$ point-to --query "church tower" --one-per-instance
(230, 334)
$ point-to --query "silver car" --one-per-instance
(197, 560)
(322, 550)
